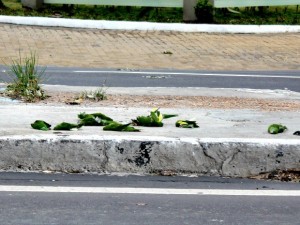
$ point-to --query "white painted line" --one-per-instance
(151, 191)
(52, 138)
(186, 73)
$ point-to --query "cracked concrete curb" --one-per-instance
(143, 154)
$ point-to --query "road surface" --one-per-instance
(30, 198)
(288, 80)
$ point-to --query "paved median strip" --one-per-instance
(150, 191)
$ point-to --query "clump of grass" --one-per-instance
(96, 95)
(25, 79)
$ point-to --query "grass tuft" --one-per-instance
(25, 79)
(97, 95)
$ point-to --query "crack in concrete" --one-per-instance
(106, 158)
(205, 149)
(229, 159)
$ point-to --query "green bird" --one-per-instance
(41, 125)
(89, 121)
(147, 121)
(96, 115)
(186, 124)
(276, 128)
(115, 126)
(94, 119)
(153, 120)
(67, 126)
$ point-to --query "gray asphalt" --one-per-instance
(72, 208)
(153, 181)
(120, 209)
(169, 78)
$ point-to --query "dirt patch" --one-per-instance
(291, 175)
(170, 101)
(180, 102)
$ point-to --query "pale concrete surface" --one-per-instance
(144, 49)
(213, 123)
(228, 142)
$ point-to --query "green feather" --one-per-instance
(167, 116)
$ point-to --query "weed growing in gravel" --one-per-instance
(25, 79)
(97, 95)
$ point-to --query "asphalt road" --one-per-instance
(67, 207)
(170, 78)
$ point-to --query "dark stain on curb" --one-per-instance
(121, 150)
(67, 141)
(279, 154)
(143, 157)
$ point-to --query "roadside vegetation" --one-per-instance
(14, 7)
(206, 14)
(1, 5)
(95, 95)
(25, 79)
(258, 15)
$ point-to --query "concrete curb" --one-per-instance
(148, 26)
(140, 154)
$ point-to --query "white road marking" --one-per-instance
(187, 73)
(152, 191)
